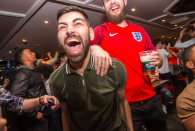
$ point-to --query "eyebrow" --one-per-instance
(77, 19)
(72, 21)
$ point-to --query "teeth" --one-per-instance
(73, 40)
(114, 8)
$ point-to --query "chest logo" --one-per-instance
(137, 36)
(113, 34)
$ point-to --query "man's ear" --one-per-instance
(23, 58)
(190, 65)
(125, 2)
(91, 33)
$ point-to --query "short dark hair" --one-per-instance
(61, 55)
(73, 9)
(45, 69)
(18, 55)
(156, 41)
(38, 55)
(186, 55)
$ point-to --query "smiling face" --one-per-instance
(74, 36)
(115, 10)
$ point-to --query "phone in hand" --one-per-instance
(47, 109)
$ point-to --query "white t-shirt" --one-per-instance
(165, 67)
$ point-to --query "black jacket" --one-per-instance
(28, 84)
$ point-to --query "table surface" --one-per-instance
(175, 73)
(157, 83)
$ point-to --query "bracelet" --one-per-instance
(41, 100)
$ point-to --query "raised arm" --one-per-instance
(168, 50)
(125, 110)
(65, 118)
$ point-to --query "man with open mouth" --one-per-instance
(88, 101)
(124, 40)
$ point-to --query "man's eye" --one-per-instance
(62, 27)
(77, 24)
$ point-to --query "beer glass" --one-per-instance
(147, 68)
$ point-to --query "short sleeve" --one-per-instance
(148, 45)
(165, 52)
(120, 74)
(99, 33)
(56, 93)
(185, 107)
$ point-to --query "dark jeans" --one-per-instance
(175, 67)
(150, 113)
(56, 126)
(167, 76)
(166, 94)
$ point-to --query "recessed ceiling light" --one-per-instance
(10, 52)
(163, 20)
(169, 37)
(163, 36)
(181, 27)
(175, 38)
(23, 40)
(175, 25)
(133, 9)
(46, 22)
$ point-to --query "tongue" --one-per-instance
(75, 49)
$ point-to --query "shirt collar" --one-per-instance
(125, 20)
(24, 66)
(90, 65)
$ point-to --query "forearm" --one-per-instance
(161, 62)
(126, 112)
(30, 104)
(175, 54)
(65, 122)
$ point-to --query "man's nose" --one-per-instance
(70, 30)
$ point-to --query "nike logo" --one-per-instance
(113, 34)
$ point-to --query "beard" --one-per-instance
(115, 19)
(85, 49)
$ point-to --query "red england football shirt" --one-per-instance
(124, 44)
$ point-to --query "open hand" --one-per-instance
(102, 60)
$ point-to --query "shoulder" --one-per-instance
(117, 65)
(101, 27)
(58, 73)
(187, 97)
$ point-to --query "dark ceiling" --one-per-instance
(22, 19)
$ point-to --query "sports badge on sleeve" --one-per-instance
(137, 36)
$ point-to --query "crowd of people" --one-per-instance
(99, 84)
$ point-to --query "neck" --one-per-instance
(44, 81)
(122, 24)
(29, 64)
(80, 67)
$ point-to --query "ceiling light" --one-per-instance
(169, 37)
(46, 22)
(163, 20)
(10, 52)
(24, 40)
(163, 36)
(175, 38)
(181, 27)
(175, 25)
(179, 20)
(0, 60)
(133, 9)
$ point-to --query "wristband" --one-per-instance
(41, 100)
